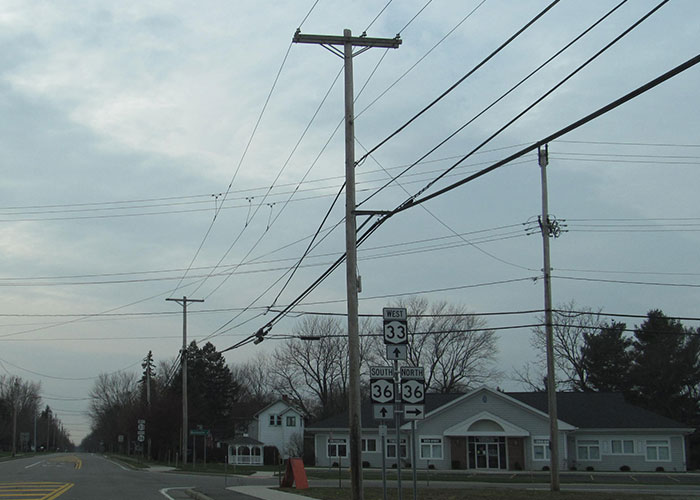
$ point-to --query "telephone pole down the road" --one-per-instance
(183, 302)
(347, 41)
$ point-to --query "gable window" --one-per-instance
(588, 449)
(622, 447)
(337, 447)
(391, 448)
(431, 448)
(275, 420)
(369, 444)
(658, 449)
(540, 449)
(291, 421)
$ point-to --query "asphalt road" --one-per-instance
(83, 476)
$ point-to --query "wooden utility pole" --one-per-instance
(183, 302)
(543, 159)
(347, 41)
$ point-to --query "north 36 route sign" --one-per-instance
(395, 331)
(413, 391)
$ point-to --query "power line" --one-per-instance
(458, 82)
(499, 99)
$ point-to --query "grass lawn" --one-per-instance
(475, 494)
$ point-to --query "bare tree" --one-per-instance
(21, 396)
(456, 348)
(314, 371)
(254, 378)
(570, 324)
(114, 404)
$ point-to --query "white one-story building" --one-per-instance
(492, 430)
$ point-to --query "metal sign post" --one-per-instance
(397, 425)
(382, 436)
(413, 460)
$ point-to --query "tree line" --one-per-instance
(310, 369)
(22, 423)
(655, 364)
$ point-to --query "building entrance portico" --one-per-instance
(484, 442)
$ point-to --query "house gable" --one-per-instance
(485, 399)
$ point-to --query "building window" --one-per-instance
(291, 421)
(369, 444)
(622, 447)
(275, 420)
(337, 447)
(431, 448)
(658, 450)
(588, 449)
(540, 449)
(391, 448)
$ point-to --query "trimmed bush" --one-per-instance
(625, 468)
(590, 468)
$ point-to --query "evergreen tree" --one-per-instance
(211, 388)
(607, 357)
(665, 372)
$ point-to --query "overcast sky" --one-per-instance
(126, 127)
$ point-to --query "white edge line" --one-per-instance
(32, 465)
(164, 491)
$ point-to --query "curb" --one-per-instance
(197, 495)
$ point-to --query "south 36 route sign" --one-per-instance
(381, 384)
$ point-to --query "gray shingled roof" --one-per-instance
(598, 410)
(586, 410)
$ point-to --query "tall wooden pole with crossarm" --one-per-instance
(347, 41)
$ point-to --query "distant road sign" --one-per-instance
(141, 438)
(413, 391)
(199, 432)
(397, 352)
(382, 390)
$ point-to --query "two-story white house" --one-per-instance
(279, 425)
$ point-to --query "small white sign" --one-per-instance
(414, 412)
(381, 372)
(412, 372)
(397, 352)
(384, 412)
(394, 313)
